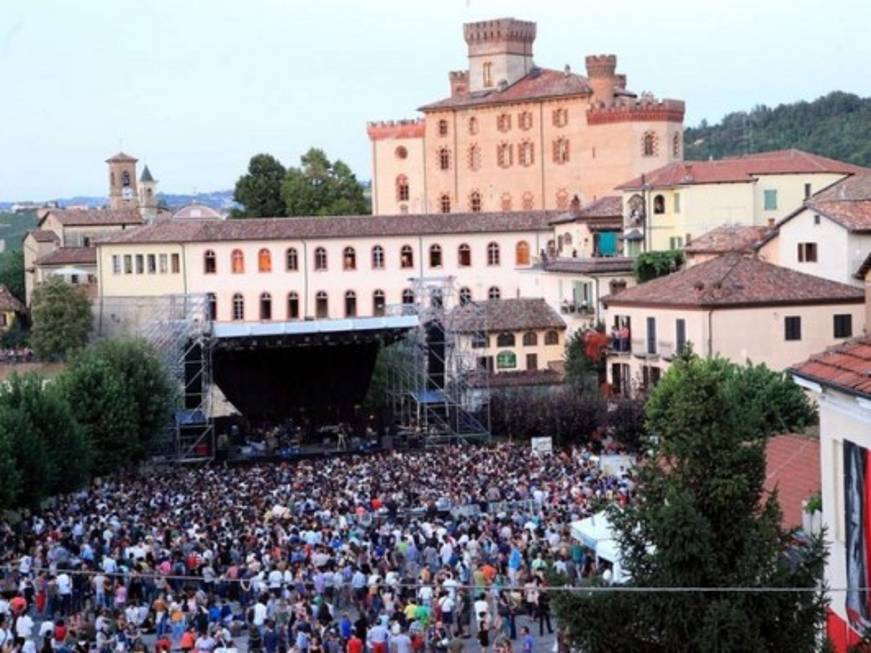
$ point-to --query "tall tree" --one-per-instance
(703, 519)
(12, 272)
(322, 187)
(259, 191)
(61, 317)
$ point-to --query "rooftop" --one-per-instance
(121, 157)
(69, 255)
(94, 217)
(608, 208)
(8, 301)
(845, 367)
(792, 467)
(146, 175)
(740, 169)
(728, 238)
(735, 281)
(847, 202)
(43, 235)
(516, 314)
(595, 265)
(197, 212)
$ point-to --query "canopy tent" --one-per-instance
(597, 533)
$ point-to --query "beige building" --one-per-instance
(735, 306)
(516, 137)
(10, 309)
(686, 199)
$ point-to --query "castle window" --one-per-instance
(524, 120)
(648, 144)
(527, 201)
(265, 306)
(526, 153)
(210, 266)
(237, 262)
(292, 306)
(264, 260)
(530, 339)
(406, 257)
(561, 151)
(560, 117)
(378, 303)
(445, 203)
(503, 122)
(238, 307)
(377, 257)
(675, 146)
(473, 125)
(521, 253)
(435, 256)
(401, 152)
(494, 292)
(464, 255)
(349, 259)
(443, 127)
(465, 296)
(475, 202)
(504, 155)
(402, 188)
(506, 201)
(320, 258)
(493, 254)
(659, 204)
(125, 178)
(211, 306)
(551, 338)
(474, 157)
(562, 201)
(408, 296)
(291, 259)
(444, 155)
(322, 305)
(487, 70)
(350, 304)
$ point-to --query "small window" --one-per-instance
(116, 264)
(648, 144)
(494, 292)
(526, 153)
(408, 296)
(401, 152)
(473, 157)
(528, 201)
(493, 254)
(807, 252)
(406, 257)
(769, 198)
(435, 256)
(561, 151)
(322, 305)
(444, 155)
(443, 127)
(125, 178)
(816, 218)
(264, 260)
(532, 361)
(675, 146)
(292, 306)
(530, 339)
(659, 204)
(473, 125)
(292, 259)
(505, 202)
(211, 306)
(464, 255)
(176, 263)
(465, 296)
(560, 117)
(162, 263)
(151, 264)
(402, 192)
(210, 265)
(677, 202)
(140, 264)
(480, 340)
(675, 242)
(551, 338)
(350, 304)
(320, 258)
(505, 340)
(792, 327)
(807, 191)
(506, 360)
(503, 122)
(445, 203)
(521, 256)
(377, 257)
(378, 303)
(237, 261)
(265, 306)
(238, 307)
(487, 72)
(475, 202)
(504, 155)
(651, 335)
(349, 259)
(524, 120)
(680, 336)
(843, 325)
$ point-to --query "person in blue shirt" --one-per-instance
(528, 643)
(345, 628)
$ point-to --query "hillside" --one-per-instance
(837, 125)
(13, 226)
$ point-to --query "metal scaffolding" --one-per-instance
(435, 385)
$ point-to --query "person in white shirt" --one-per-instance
(24, 626)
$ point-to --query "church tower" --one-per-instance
(122, 181)
(148, 195)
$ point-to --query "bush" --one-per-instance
(565, 415)
(62, 319)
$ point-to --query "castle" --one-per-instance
(516, 137)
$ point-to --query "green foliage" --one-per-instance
(626, 421)
(322, 187)
(581, 372)
(702, 518)
(835, 125)
(650, 265)
(14, 226)
(565, 414)
(15, 336)
(12, 272)
(51, 452)
(259, 191)
(62, 319)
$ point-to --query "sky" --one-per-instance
(194, 88)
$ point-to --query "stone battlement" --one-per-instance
(499, 30)
(601, 65)
(407, 128)
(644, 109)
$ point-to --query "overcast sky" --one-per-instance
(193, 88)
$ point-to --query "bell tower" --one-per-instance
(122, 181)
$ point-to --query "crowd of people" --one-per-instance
(390, 552)
(16, 355)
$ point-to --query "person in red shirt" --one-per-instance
(355, 644)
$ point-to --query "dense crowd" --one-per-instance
(388, 552)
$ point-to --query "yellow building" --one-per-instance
(513, 136)
(10, 309)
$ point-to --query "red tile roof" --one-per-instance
(595, 265)
(728, 238)
(847, 202)
(845, 367)
(95, 217)
(741, 169)
(121, 157)
(607, 209)
(515, 314)
(69, 255)
(792, 466)
(734, 281)
(8, 301)
(43, 235)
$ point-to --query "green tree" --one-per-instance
(650, 265)
(322, 187)
(259, 191)
(10, 477)
(703, 519)
(12, 272)
(62, 319)
(582, 372)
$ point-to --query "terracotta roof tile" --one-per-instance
(736, 280)
(516, 314)
(608, 208)
(728, 238)
(792, 464)
(8, 301)
(95, 217)
(595, 265)
(43, 235)
(846, 367)
(121, 157)
(69, 255)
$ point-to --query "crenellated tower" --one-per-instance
(500, 52)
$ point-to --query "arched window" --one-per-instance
(551, 338)
(210, 265)
(505, 340)
(530, 339)
(493, 254)
(473, 125)
(506, 360)
(445, 203)
(524, 120)
(406, 257)
(528, 201)
(320, 258)
(377, 257)
(504, 155)
(237, 261)
(292, 306)
(292, 259)
(475, 202)
(526, 153)
(265, 306)
(211, 306)
(473, 157)
(408, 296)
(350, 304)
(349, 259)
(560, 117)
(401, 152)
(464, 255)
(494, 293)
(322, 305)
(443, 127)
(675, 146)
(561, 150)
(238, 307)
(503, 122)
(402, 188)
(659, 204)
(125, 178)
(506, 201)
(435, 256)
(648, 144)
(378, 303)
(521, 253)
(264, 260)
(465, 296)
(444, 155)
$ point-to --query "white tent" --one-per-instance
(597, 533)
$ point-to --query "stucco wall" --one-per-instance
(545, 354)
(387, 166)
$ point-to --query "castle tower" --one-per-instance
(602, 77)
(148, 195)
(500, 52)
(122, 181)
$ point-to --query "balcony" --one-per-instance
(584, 309)
(640, 349)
